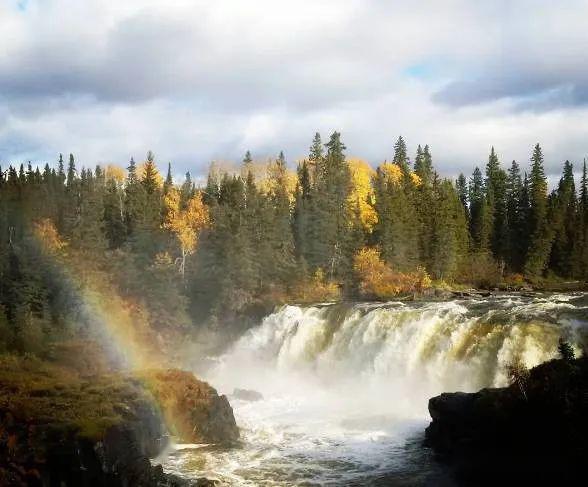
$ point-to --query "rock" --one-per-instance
(247, 395)
(57, 428)
(493, 434)
(193, 409)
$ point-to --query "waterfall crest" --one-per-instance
(413, 349)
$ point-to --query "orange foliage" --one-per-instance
(47, 234)
(377, 279)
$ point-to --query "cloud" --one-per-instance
(199, 80)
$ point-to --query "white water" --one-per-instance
(346, 387)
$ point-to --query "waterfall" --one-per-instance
(345, 386)
(404, 352)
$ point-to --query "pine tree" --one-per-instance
(71, 172)
(134, 199)
(540, 238)
(563, 223)
(315, 158)
(461, 186)
(449, 235)
(401, 154)
(301, 215)
(331, 244)
(280, 231)
(516, 218)
(480, 218)
(169, 182)
(423, 165)
(187, 191)
(495, 186)
(150, 173)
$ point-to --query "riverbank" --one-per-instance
(60, 427)
(532, 432)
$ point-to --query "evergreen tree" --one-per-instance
(563, 223)
(331, 249)
(401, 154)
(71, 173)
(169, 182)
(302, 214)
(540, 237)
(449, 235)
(496, 199)
(461, 186)
(134, 199)
(480, 217)
(423, 164)
(516, 218)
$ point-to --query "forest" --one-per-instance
(171, 255)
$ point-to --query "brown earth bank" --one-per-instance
(530, 433)
(62, 427)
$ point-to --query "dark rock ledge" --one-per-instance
(524, 435)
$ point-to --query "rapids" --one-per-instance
(345, 386)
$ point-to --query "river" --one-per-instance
(345, 386)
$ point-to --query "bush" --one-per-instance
(378, 280)
(566, 351)
(479, 270)
(518, 374)
(316, 289)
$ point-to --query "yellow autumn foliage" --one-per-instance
(392, 172)
(265, 178)
(378, 280)
(315, 289)
(115, 172)
(362, 192)
(185, 223)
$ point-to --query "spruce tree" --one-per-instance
(540, 238)
(401, 154)
(169, 182)
(516, 219)
(495, 185)
(480, 217)
(563, 223)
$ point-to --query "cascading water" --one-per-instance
(346, 386)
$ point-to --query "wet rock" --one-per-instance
(193, 410)
(247, 395)
(533, 435)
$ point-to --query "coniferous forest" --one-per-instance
(263, 234)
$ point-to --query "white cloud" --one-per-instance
(197, 80)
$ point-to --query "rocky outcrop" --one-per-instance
(57, 428)
(193, 410)
(247, 395)
(529, 434)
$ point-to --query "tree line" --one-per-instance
(264, 233)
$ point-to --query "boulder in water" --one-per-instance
(247, 395)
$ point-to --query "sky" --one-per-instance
(196, 81)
